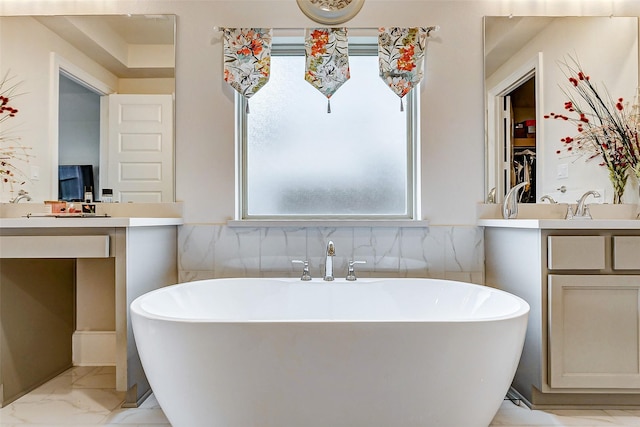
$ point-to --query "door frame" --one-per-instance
(57, 65)
(495, 98)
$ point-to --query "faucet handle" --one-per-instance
(306, 276)
(351, 273)
(569, 212)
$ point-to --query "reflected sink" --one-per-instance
(559, 211)
(552, 216)
(525, 211)
(606, 211)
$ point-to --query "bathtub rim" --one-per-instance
(136, 306)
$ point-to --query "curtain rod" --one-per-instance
(428, 29)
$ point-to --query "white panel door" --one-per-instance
(140, 148)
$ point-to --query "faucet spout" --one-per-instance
(548, 198)
(581, 208)
(21, 195)
(328, 264)
(510, 205)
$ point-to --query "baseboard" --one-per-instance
(94, 348)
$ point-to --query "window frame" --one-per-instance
(411, 109)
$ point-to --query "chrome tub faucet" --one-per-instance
(328, 264)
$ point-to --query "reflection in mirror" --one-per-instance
(523, 82)
(96, 105)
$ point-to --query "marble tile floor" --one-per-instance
(86, 396)
(80, 396)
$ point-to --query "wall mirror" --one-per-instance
(523, 81)
(96, 104)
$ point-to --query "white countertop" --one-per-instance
(563, 224)
(86, 222)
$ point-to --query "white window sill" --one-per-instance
(423, 223)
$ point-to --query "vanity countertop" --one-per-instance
(86, 222)
(551, 216)
(563, 224)
(30, 215)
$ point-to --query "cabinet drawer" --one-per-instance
(576, 253)
(54, 246)
(626, 252)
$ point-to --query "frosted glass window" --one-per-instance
(299, 161)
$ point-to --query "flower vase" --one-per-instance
(619, 181)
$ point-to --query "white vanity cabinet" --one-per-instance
(46, 264)
(582, 347)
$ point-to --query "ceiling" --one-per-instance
(130, 46)
(505, 36)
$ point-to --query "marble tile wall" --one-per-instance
(443, 252)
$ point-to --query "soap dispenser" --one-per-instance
(88, 194)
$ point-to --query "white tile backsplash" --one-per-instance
(237, 251)
(463, 248)
(279, 246)
(196, 245)
(211, 251)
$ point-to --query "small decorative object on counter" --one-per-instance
(107, 195)
(57, 206)
(88, 194)
(88, 208)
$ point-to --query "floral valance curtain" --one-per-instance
(401, 52)
(327, 60)
(247, 59)
(401, 57)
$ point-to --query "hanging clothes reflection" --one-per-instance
(523, 169)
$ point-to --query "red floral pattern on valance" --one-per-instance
(401, 54)
(247, 58)
(327, 60)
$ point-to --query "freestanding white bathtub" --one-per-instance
(376, 352)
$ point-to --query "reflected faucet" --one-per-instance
(21, 195)
(491, 197)
(549, 199)
(510, 205)
(328, 264)
(582, 211)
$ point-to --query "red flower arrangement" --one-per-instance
(606, 128)
(12, 153)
